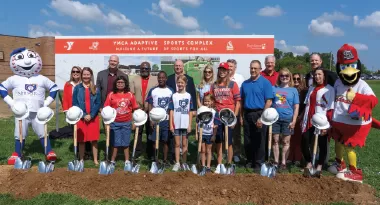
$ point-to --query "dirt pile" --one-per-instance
(186, 188)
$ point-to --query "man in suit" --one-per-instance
(331, 77)
(105, 78)
(190, 88)
(140, 86)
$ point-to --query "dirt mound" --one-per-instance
(186, 188)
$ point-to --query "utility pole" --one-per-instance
(330, 59)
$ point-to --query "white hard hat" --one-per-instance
(269, 116)
(44, 114)
(139, 117)
(73, 115)
(320, 121)
(20, 110)
(204, 114)
(108, 114)
(157, 114)
(227, 117)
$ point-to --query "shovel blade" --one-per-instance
(153, 168)
(231, 170)
(106, 168)
(221, 169)
(272, 172)
(202, 172)
(128, 167)
(194, 169)
(76, 166)
(136, 169)
(45, 167)
(264, 170)
(22, 163)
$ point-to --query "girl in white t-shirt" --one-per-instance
(208, 133)
(180, 121)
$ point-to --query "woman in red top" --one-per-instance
(68, 88)
(87, 98)
(227, 95)
(125, 103)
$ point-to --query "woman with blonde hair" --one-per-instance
(87, 98)
(286, 102)
(206, 82)
(69, 86)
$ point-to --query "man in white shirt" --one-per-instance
(239, 79)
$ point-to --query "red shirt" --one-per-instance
(144, 86)
(225, 97)
(272, 78)
(124, 103)
(110, 81)
(67, 100)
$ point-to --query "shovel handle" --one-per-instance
(75, 135)
(45, 138)
(270, 137)
(200, 139)
(135, 140)
(20, 131)
(157, 136)
(226, 137)
(107, 136)
(315, 144)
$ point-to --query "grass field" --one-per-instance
(368, 160)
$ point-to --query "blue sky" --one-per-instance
(298, 26)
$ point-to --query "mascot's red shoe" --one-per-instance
(51, 156)
(353, 174)
(12, 159)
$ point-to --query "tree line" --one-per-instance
(301, 63)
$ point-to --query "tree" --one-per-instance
(365, 70)
(277, 53)
(155, 67)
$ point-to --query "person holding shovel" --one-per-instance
(286, 102)
(160, 96)
(227, 95)
(180, 121)
(124, 103)
(319, 99)
(87, 97)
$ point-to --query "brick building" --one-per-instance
(43, 46)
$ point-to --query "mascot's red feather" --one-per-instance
(352, 118)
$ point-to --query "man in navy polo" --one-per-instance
(256, 96)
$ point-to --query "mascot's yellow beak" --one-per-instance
(349, 74)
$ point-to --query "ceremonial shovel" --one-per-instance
(135, 167)
(268, 169)
(48, 166)
(106, 167)
(76, 165)
(22, 162)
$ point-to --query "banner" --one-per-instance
(160, 51)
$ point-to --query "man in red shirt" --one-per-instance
(140, 86)
(269, 73)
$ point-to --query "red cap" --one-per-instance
(347, 54)
(224, 65)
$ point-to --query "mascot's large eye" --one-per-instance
(19, 56)
(344, 66)
(31, 55)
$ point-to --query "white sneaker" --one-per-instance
(176, 167)
(236, 159)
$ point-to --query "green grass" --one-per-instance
(368, 159)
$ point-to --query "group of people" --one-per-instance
(341, 96)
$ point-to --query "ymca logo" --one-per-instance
(69, 45)
(30, 87)
(183, 103)
(163, 102)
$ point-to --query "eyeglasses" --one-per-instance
(121, 82)
(296, 79)
(284, 76)
(75, 71)
(145, 68)
(207, 71)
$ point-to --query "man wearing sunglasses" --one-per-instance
(140, 86)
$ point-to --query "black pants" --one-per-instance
(139, 145)
(308, 138)
(254, 138)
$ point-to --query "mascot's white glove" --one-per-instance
(8, 99)
(48, 101)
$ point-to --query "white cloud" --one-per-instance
(324, 28)
(372, 20)
(89, 29)
(296, 50)
(116, 22)
(359, 46)
(336, 16)
(54, 24)
(232, 23)
(168, 11)
(271, 11)
(45, 12)
(39, 31)
(197, 32)
(194, 3)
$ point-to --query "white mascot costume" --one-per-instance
(29, 87)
